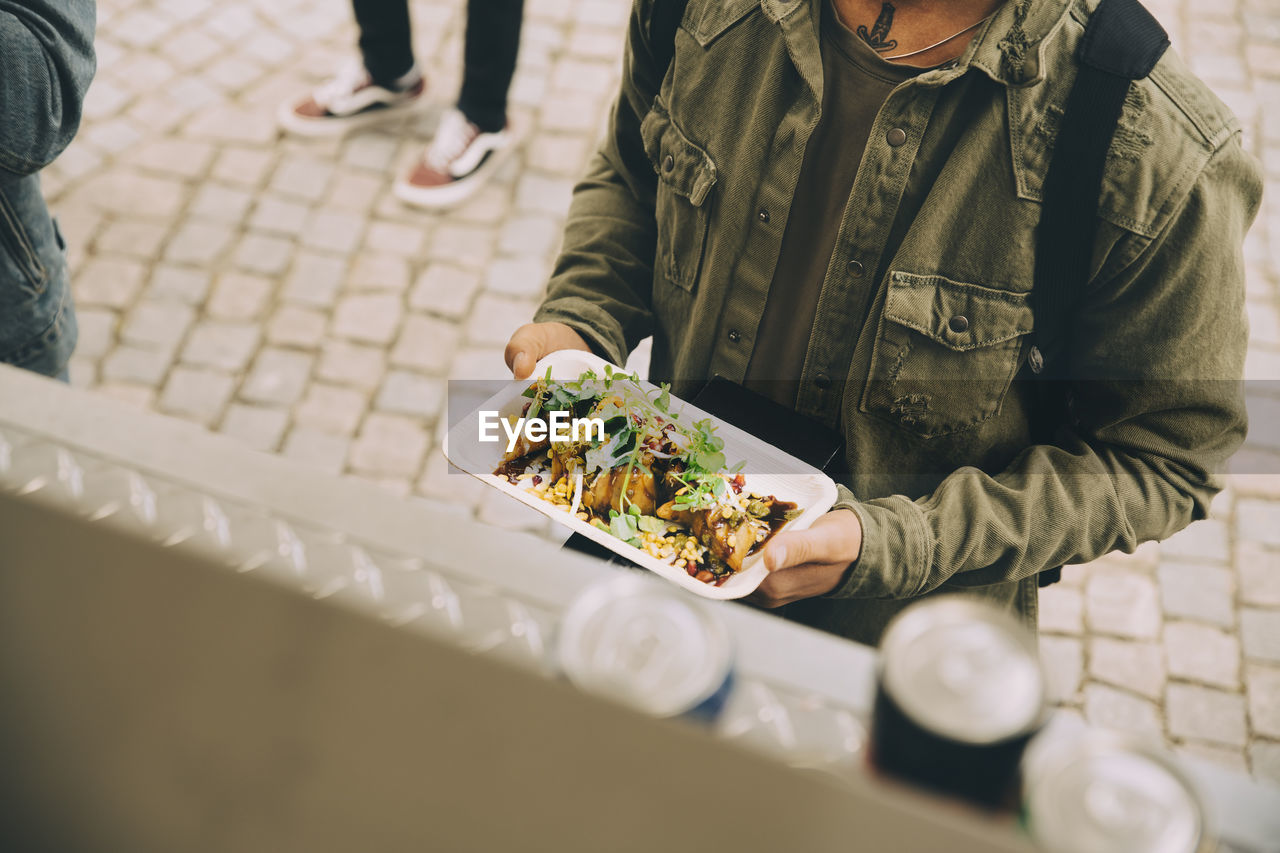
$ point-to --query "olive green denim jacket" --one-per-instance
(676, 228)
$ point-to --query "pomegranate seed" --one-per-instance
(537, 479)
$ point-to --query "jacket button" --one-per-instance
(823, 381)
(855, 269)
(958, 324)
(668, 163)
(896, 137)
(734, 337)
(763, 214)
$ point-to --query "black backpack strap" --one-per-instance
(665, 20)
(1122, 43)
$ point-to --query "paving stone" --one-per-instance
(238, 296)
(1202, 653)
(411, 394)
(494, 319)
(1260, 634)
(355, 191)
(352, 364)
(244, 166)
(198, 243)
(1259, 574)
(425, 343)
(315, 279)
(1115, 709)
(128, 192)
(279, 215)
(379, 271)
(1206, 714)
(472, 363)
(196, 393)
(255, 426)
(1063, 659)
(521, 277)
(264, 254)
(302, 178)
(389, 445)
(1258, 521)
(1263, 683)
(230, 123)
(321, 450)
(96, 332)
(1202, 541)
(1135, 666)
(222, 344)
(1122, 603)
(295, 326)
(370, 151)
(331, 408)
(278, 377)
(1061, 610)
(136, 364)
(491, 204)
(466, 245)
(112, 282)
(1264, 756)
(1201, 592)
(535, 236)
(395, 238)
(544, 194)
(445, 290)
(157, 324)
(333, 231)
(233, 73)
(134, 238)
(371, 318)
(221, 203)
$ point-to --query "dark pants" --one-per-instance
(493, 38)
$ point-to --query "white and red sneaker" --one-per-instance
(350, 100)
(458, 161)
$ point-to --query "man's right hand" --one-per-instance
(532, 341)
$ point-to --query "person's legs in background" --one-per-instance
(384, 83)
(475, 138)
(386, 39)
(489, 61)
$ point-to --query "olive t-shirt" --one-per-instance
(856, 83)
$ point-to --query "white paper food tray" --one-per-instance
(768, 471)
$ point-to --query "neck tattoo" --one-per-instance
(877, 37)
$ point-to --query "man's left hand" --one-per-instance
(808, 563)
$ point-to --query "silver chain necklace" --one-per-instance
(944, 41)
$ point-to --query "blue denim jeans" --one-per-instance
(37, 319)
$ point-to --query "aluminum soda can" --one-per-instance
(1104, 792)
(960, 691)
(638, 642)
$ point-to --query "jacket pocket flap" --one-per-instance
(958, 316)
(681, 165)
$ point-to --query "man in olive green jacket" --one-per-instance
(920, 319)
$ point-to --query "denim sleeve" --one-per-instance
(46, 63)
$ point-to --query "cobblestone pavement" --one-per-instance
(272, 290)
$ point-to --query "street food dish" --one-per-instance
(644, 475)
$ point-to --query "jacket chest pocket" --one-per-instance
(945, 354)
(686, 175)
